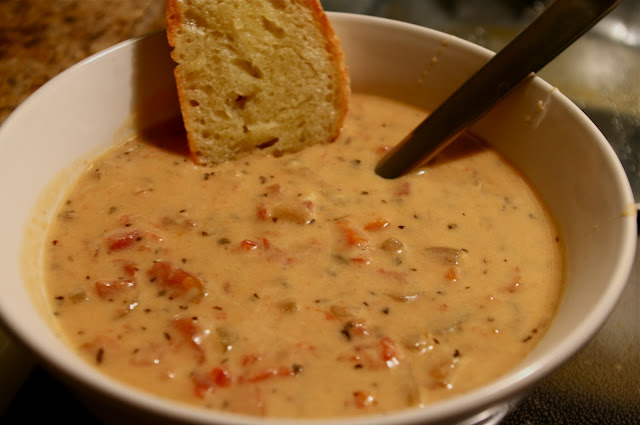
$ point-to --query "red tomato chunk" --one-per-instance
(121, 241)
(177, 281)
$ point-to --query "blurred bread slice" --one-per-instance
(256, 75)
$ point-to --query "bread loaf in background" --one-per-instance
(256, 75)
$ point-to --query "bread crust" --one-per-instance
(174, 21)
(333, 55)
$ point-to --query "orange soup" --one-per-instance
(304, 285)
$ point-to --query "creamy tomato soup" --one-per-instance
(304, 285)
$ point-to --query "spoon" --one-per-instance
(559, 25)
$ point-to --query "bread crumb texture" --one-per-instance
(256, 75)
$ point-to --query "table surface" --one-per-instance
(600, 73)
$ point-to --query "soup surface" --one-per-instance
(304, 285)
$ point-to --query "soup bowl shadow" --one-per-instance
(48, 140)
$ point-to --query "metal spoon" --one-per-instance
(559, 25)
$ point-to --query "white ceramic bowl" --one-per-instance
(100, 100)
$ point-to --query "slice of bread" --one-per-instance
(256, 75)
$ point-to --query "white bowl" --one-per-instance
(104, 98)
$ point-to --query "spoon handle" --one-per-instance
(558, 26)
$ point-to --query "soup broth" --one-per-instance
(304, 285)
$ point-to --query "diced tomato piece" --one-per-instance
(249, 245)
(263, 213)
(186, 327)
(201, 385)
(123, 240)
(362, 399)
(351, 237)
(451, 274)
(383, 149)
(130, 269)
(207, 382)
(376, 225)
(190, 332)
(109, 289)
(176, 280)
(360, 260)
(388, 351)
(221, 377)
(250, 359)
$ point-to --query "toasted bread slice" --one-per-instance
(256, 75)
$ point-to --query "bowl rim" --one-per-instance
(500, 390)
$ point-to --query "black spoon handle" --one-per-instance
(558, 26)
